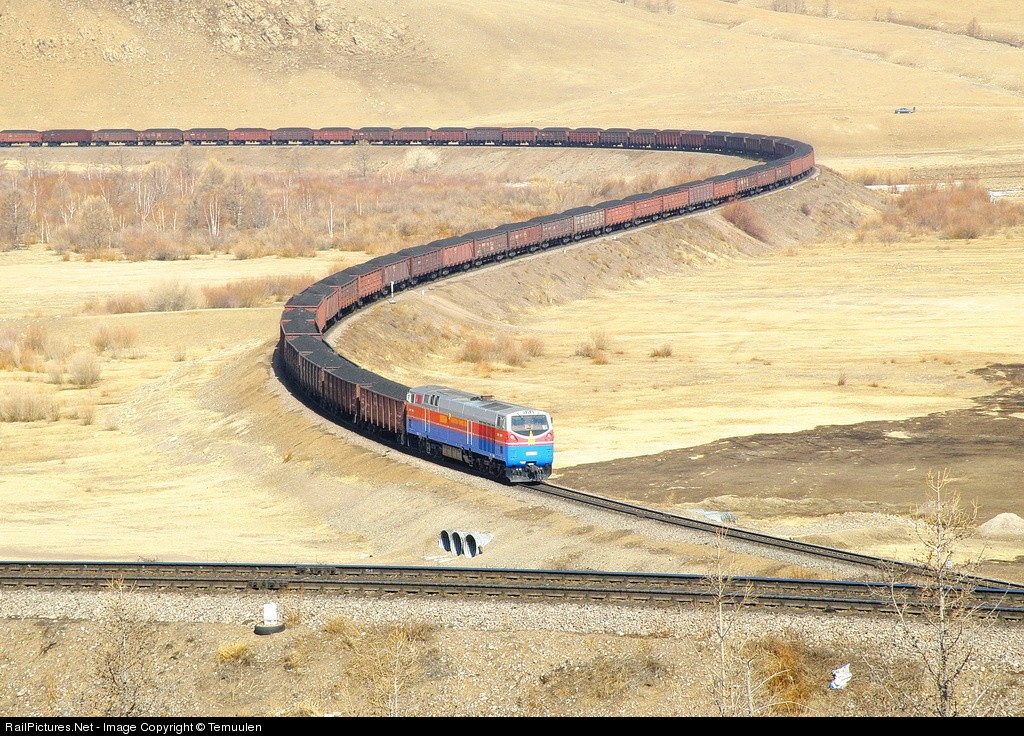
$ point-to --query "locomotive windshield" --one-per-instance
(530, 423)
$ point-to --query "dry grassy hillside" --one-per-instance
(831, 80)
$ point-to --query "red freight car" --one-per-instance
(380, 411)
(488, 243)
(646, 138)
(424, 260)
(745, 182)
(519, 135)
(443, 136)
(694, 139)
(617, 212)
(615, 137)
(556, 228)
(20, 137)
(241, 136)
(118, 136)
(735, 142)
(169, 136)
(701, 194)
(525, 235)
(455, 251)
(647, 205)
(411, 135)
(326, 136)
(724, 188)
(586, 220)
(583, 136)
(395, 270)
(201, 136)
(667, 138)
(674, 199)
(341, 392)
(286, 136)
(375, 135)
(481, 136)
(716, 140)
(371, 283)
(60, 137)
(553, 136)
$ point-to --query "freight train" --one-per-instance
(494, 438)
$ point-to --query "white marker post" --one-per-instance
(271, 623)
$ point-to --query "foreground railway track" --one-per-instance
(833, 596)
(891, 568)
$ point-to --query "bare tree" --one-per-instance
(737, 687)
(939, 633)
(387, 665)
(15, 219)
(124, 660)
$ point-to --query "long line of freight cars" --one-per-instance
(376, 404)
(696, 140)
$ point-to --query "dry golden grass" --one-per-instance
(790, 670)
(235, 653)
(25, 404)
(515, 352)
(254, 292)
(665, 351)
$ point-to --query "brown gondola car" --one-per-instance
(326, 136)
(443, 136)
(242, 136)
(615, 136)
(616, 213)
(376, 135)
(481, 136)
(553, 136)
(206, 136)
(168, 136)
(61, 137)
(117, 137)
(286, 136)
(519, 136)
(583, 136)
(411, 135)
(20, 138)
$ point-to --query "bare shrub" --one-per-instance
(665, 351)
(24, 404)
(604, 679)
(533, 346)
(54, 372)
(744, 217)
(124, 304)
(253, 292)
(172, 296)
(600, 357)
(841, 381)
(84, 370)
(8, 346)
(180, 354)
(124, 664)
(113, 339)
(87, 414)
(388, 662)
(954, 210)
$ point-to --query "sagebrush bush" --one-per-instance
(743, 216)
(84, 370)
(25, 404)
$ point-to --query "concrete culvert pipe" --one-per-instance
(457, 547)
(444, 540)
(471, 549)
